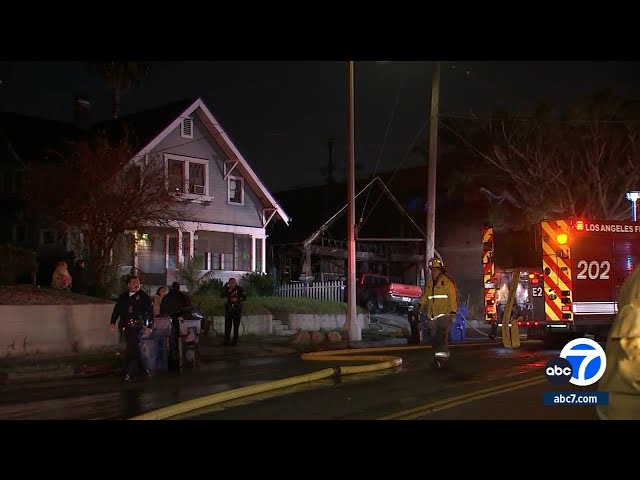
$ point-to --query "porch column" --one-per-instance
(191, 244)
(253, 253)
(180, 248)
(264, 255)
(135, 249)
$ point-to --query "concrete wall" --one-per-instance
(250, 324)
(29, 329)
(317, 322)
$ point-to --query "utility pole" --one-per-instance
(431, 171)
(355, 334)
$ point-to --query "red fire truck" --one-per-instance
(570, 275)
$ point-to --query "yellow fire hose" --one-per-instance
(380, 362)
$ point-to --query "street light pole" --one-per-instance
(431, 171)
(633, 198)
(351, 325)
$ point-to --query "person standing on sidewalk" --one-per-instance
(234, 295)
(134, 310)
(440, 302)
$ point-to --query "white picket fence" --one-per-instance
(331, 291)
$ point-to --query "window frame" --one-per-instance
(229, 180)
(185, 179)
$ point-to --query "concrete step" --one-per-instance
(284, 332)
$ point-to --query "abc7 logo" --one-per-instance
(582, 362)
(558, 371)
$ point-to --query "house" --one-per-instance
(390, 236)
(227, 207)
(388, 240)
(22, 139)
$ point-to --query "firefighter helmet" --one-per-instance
(436, 262)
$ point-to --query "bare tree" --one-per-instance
(544, 166)
(95, 188)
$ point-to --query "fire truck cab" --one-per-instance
(570, 275)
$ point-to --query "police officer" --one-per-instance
(440, 302)
(234, 296)
(134, 309)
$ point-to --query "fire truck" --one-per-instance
(570, 274)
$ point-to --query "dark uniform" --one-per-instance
(234, 295)
(173, 304)
(135, 313)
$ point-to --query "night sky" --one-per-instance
(280, 115)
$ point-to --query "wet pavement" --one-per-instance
(95, 393)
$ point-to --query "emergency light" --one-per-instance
(562, 238)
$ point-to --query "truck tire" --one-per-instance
(372, 304)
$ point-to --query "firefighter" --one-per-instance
(621, 378)
(440, 303)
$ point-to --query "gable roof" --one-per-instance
(152, 126)
(30, 137)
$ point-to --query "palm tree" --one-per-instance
(120, 77)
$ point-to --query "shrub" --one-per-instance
(257, 284)
(210, 286)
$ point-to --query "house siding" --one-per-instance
(203, 146)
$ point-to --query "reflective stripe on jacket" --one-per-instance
(439, 298)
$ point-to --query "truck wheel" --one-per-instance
(372, 305)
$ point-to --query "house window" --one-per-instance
(172, 250)
(48, 237)
(186, 128)
(242, 253)
(236, 190)
(187, 175)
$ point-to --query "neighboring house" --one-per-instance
(23, 139)
(227, 206)
(389, 241)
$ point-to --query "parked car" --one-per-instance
(377, 293)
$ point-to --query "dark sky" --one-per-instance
(280, 115)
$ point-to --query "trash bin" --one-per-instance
(458, 329)
(153, 347)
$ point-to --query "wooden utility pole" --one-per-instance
(431, 171)
(355, 334)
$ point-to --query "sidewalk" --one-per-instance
(36, 369)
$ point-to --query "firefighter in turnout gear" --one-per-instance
(440, 302)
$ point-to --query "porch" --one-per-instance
(159, 253)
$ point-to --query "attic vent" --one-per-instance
(186, 128)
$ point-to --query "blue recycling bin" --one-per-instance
(154, 347)
(458, 329)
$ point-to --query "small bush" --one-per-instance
(257, 284)
(210, 286)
